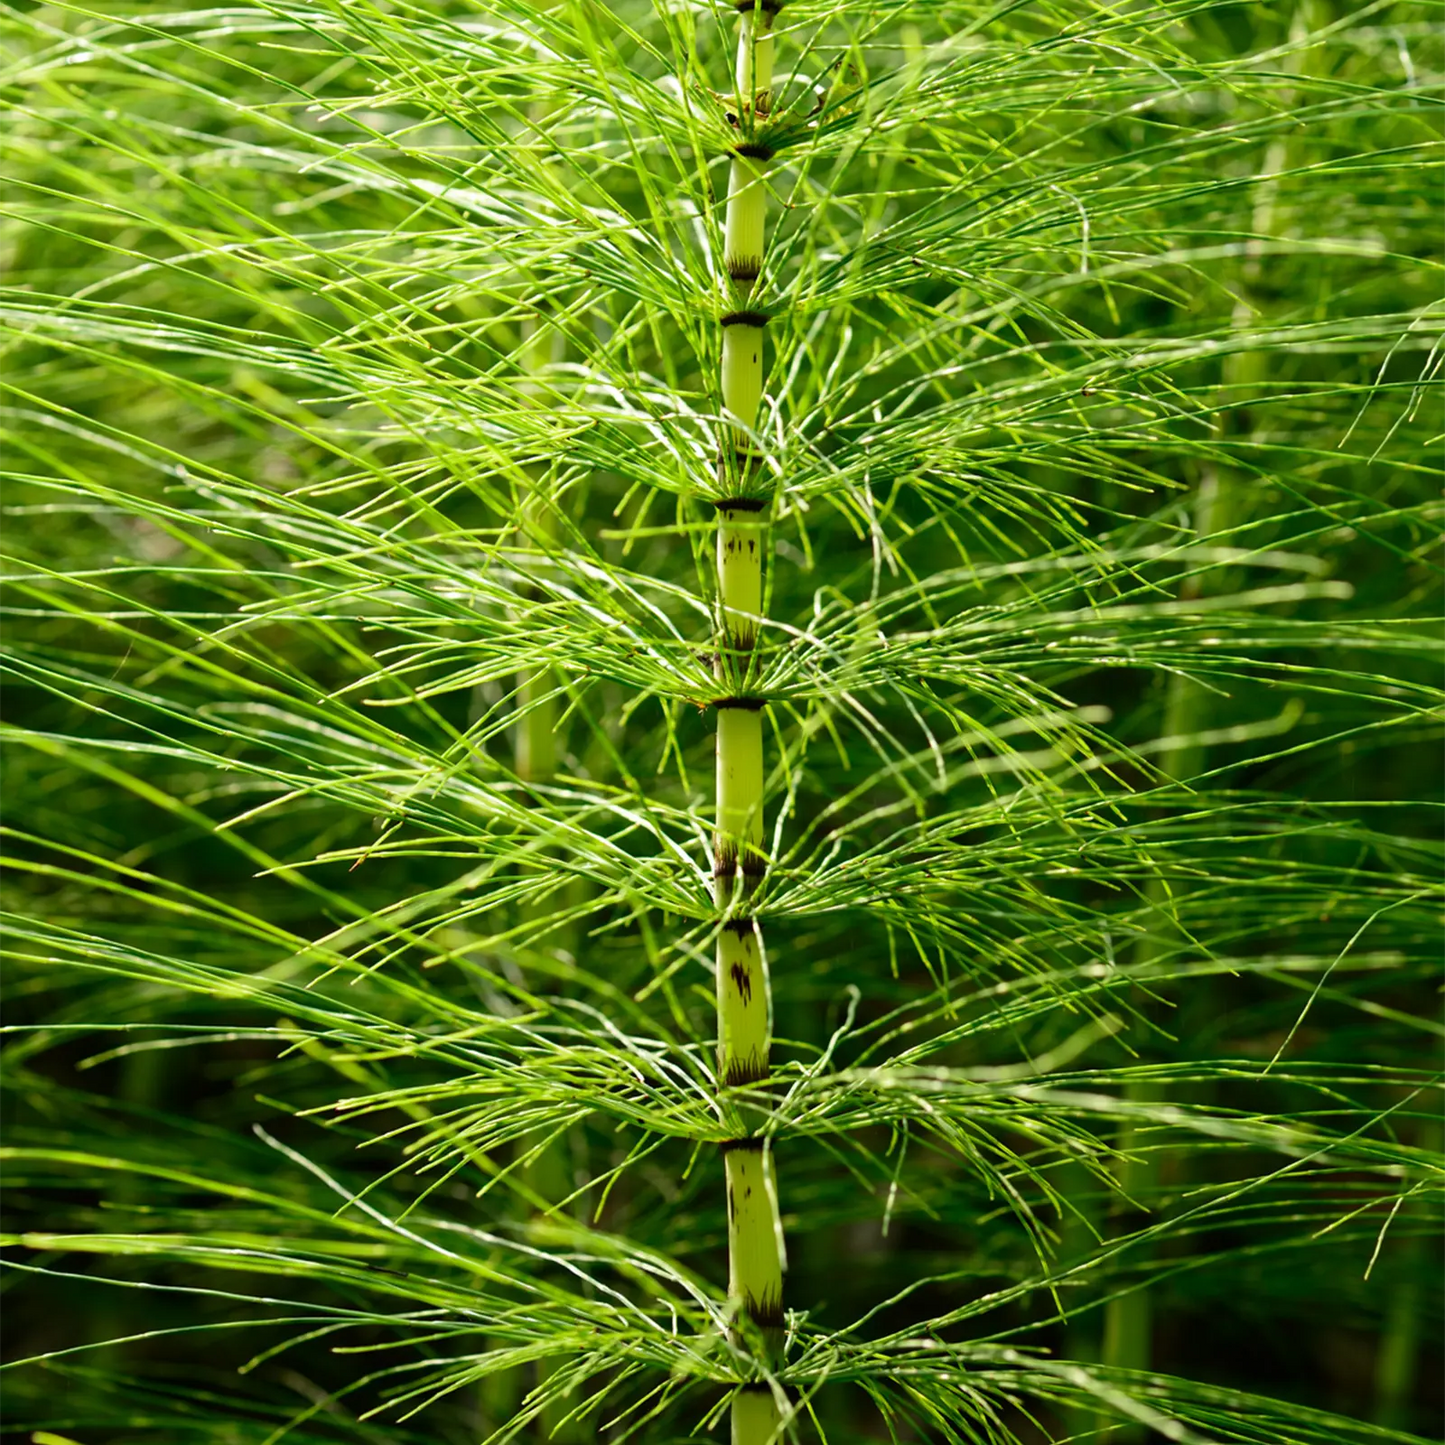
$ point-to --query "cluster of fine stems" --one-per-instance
(1079, 774)
(755, 1241)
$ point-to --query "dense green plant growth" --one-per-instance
(723, 721)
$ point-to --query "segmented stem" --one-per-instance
(536, 733)
(755, 1237)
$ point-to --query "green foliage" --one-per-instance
(1105, 682)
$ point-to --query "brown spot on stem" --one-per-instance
(743, 978)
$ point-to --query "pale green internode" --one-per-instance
(755, 1237)
(740, 539)
(747, 192)
(536, 733)
(746, 215)
(754, 71)
(742, 380)
(739, 795)
(744, 1025)
(756, 1417)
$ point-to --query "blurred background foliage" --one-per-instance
(358, 1087)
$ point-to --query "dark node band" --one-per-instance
(739, 1073)
(756, 1387)
(744, 466)
(751, 704)
(728, 868)
(766, 1313)
(742, 504)
(744, 318)
(742, 463)
(752, 1145)
(768, 7)
(744, 270)
(752, 150)
(740, 926)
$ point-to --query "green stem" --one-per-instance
(536, 741)
(536, 731)
(756, 1416)
(1399, 1346)
(1403, 1331)
(548, 1175)
(1128, 1320)
(755, 1238)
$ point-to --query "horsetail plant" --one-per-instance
(517, 513)
(744, 997)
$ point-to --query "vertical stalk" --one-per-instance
(1129, 1319)
(1221, 496)
(548, 1175)
(755, 1239)
(1399, 1342)
(1403, 1329)
(536, 731)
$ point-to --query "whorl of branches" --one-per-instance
(996, 438)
